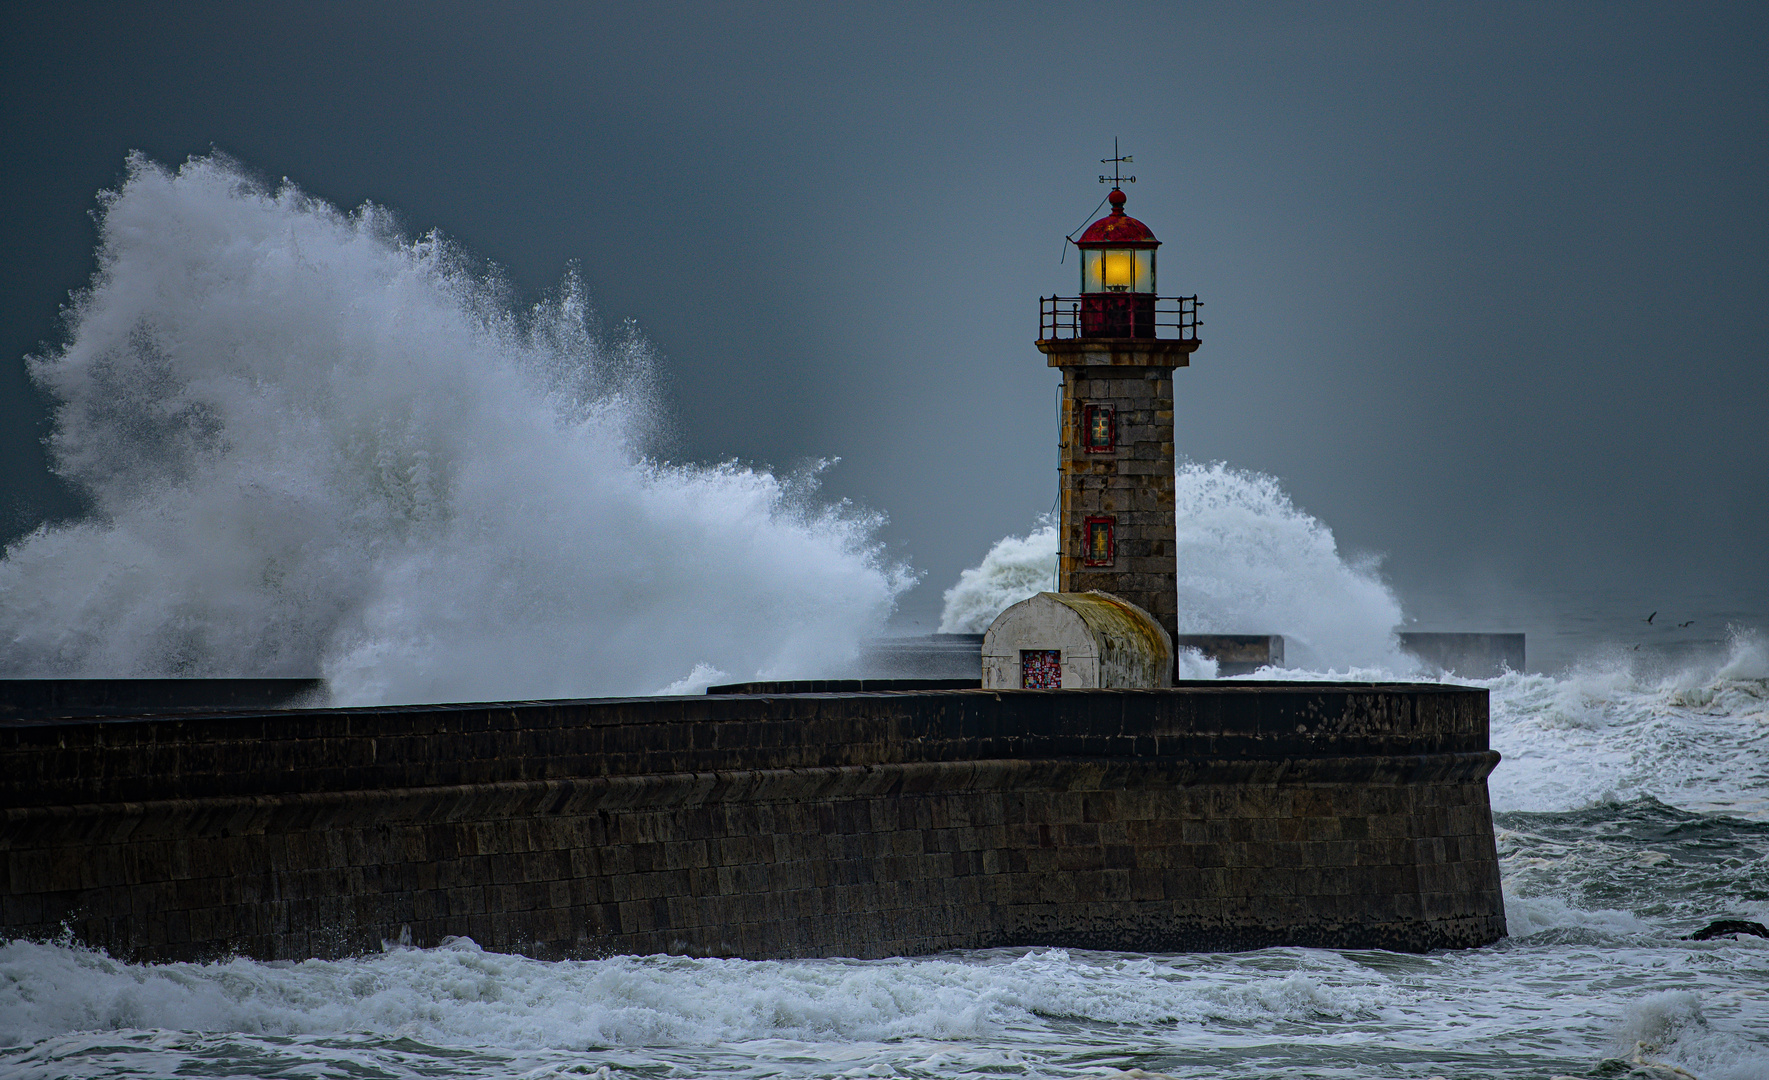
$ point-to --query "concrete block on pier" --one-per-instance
(1472, 656)
(1236, 654)
(922, 656)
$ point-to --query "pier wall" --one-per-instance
(1210, 816)
(49, 699)
(947, 656)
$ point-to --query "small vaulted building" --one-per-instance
(1089, 640)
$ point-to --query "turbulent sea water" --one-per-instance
(341, 452)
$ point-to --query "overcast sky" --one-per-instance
(1486, 285)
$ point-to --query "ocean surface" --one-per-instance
(315, 446)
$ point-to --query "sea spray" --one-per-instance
(313, 446)
(1014, 568)
(1249, 562)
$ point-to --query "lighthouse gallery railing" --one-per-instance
(1175, 318)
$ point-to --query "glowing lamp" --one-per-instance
(1118, 270)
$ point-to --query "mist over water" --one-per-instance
(315, 447)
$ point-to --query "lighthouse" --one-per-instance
(1117, 344)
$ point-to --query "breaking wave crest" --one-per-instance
(313, 446)
(1613, 730)
(1015, 568)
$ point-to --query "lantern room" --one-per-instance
(1117, 253)
(1117, 275)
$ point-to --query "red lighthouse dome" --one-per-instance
(1117, 229)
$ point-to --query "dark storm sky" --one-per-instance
(1487, 286)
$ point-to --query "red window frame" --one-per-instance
(1087, 556)
(1088, 412)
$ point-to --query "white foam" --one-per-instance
(1192, 664)
(1609, 731)
(314, 447)
(66, 1011)
(1534, 914)
(459, 995)
(1667, 1034)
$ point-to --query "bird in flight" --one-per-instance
(1681, 625)
(1651, 617)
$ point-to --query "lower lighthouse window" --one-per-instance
(1100, 549)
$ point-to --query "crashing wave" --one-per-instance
(312, 446)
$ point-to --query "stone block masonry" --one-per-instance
(1115, 463)
(856, 824)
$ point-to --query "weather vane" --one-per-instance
(1114, 161)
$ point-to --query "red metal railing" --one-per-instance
(1172, 318)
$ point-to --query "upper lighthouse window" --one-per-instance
(1118, 270)
(1099, 433)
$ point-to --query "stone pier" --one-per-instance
(1209, 816)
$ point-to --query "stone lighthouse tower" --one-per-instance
(1118, 344)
